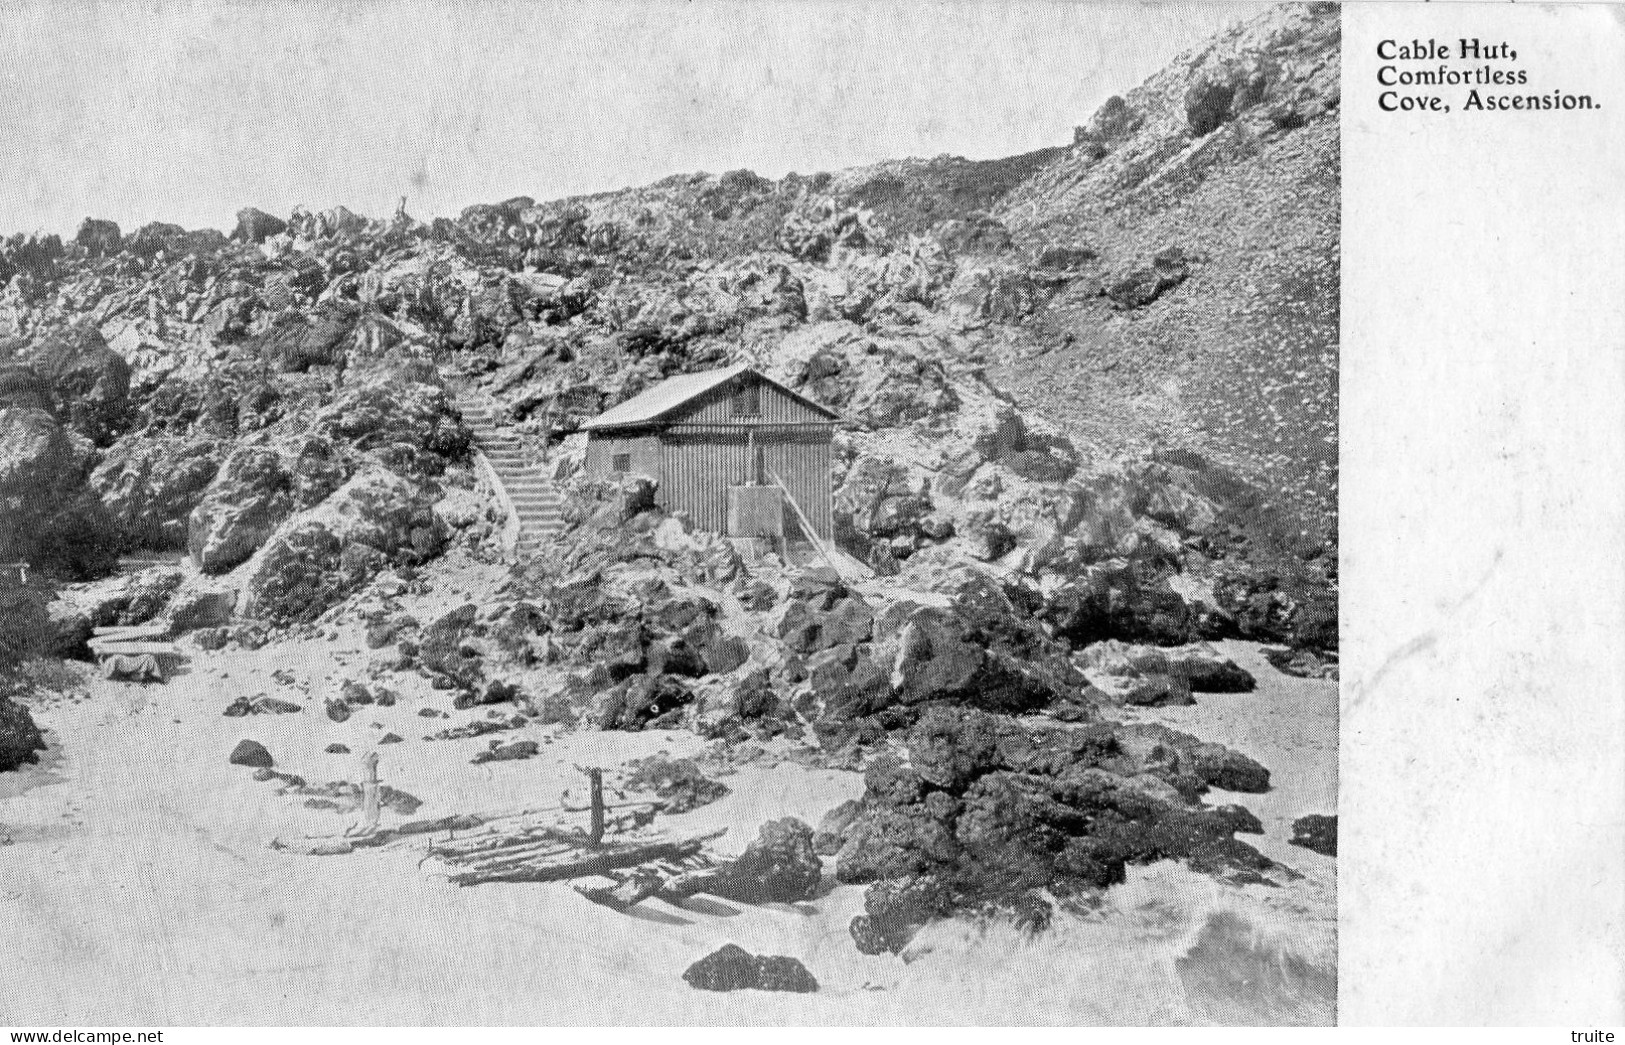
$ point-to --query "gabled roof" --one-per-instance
(653, 404)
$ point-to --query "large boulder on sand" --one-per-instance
(200, 605)
(20, 739)
(318, 557)
(150, 487)
(732, 968)
(1316, 832)
(251, 753)
(780, 866)
(1151, 675)
(1136, 675)
(51, 517)
(992, 813)
(259, 486)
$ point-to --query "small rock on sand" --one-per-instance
(1316, 833)
(732, 968)
(251, 753)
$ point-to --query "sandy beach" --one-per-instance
(139, 885)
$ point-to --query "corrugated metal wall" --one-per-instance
(701, 463)
(700, 452)
(717, 406)
(643, 448)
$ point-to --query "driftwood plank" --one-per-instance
(108, 647)
(131, 631)
(591, 863)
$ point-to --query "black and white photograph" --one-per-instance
(670, 514)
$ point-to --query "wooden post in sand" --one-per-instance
(369, 791)
(595, 836)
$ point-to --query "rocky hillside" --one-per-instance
(1090, 401)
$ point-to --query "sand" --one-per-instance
(139, 886)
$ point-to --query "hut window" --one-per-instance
(621, 463)
(748, 401)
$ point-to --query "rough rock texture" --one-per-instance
(1316, 833)
(257, 488)
(26, 628)
(318, 557)
(780, 866)
(20, 739)
(732, 968)
(251, 753)
(254, 225)
(1135, 674)
(98, 236)
(53, 519)
(987, 810)
(150, 488)
(91, 382)
(677, 782)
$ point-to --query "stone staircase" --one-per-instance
(535, 500)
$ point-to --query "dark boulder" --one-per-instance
(90, 381)
(991, 812)
(443, 650)
(1218, 766)
(98, 236)
(1316, 832)
(251, 753)
(1142, 286)
(640, 702)
(895, 910)
(256, 226)
(780, 866)
(1207, 105)
(294, 342)
(1065, 257)
(355, 694)
(1120, 599)
(732, 968)
(800, 628)
(53, 519)
(20, 739)
(153, 237)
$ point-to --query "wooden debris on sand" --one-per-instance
(518, 847)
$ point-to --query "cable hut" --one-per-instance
(741, 454)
